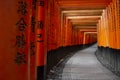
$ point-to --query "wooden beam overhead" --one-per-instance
(85, 21)
(90, 32)
(83, 4)
(82, 17)
(83, 12)
(86, 1)
(82, 1)
(86, 30)
(82, 7)
(83, 27)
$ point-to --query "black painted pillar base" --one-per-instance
(40, 72)
(110, 58)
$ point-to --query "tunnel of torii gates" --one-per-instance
(30, 29)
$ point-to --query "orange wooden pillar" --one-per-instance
(68, 32)
(16, 64)
(117, 20)
(84, 38)
(22, 42)
(81, 37)
(72, 37)
(40, 52)
(32, 40)
(75, 38)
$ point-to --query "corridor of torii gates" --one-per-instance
(52, 39)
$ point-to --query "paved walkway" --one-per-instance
(83, 65)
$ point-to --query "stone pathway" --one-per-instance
(83, 65)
